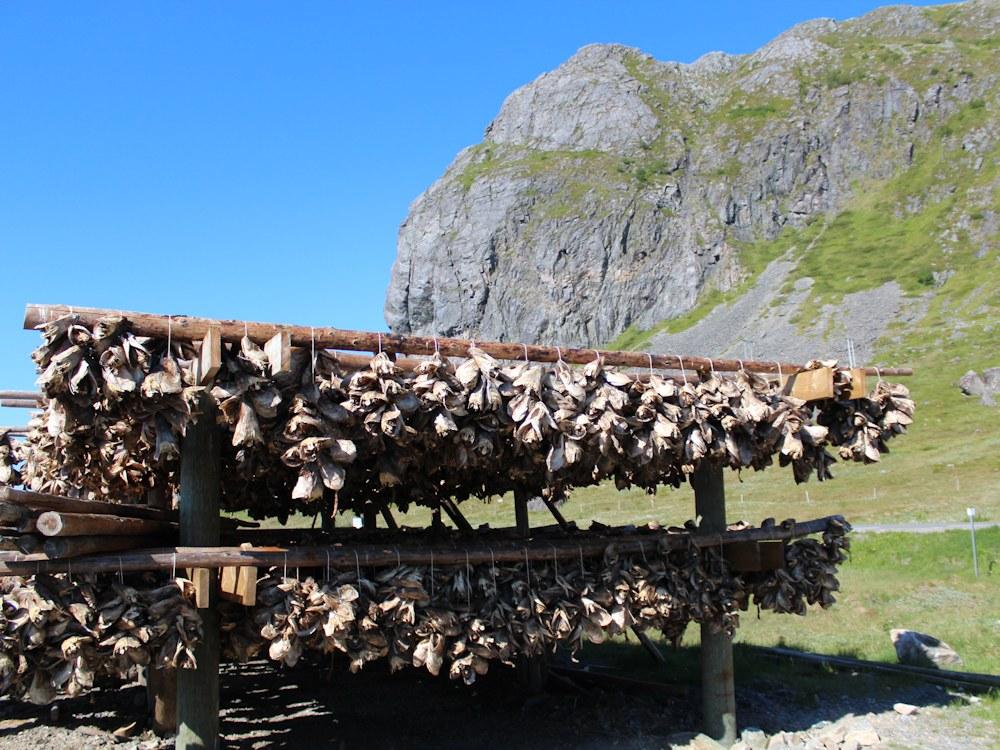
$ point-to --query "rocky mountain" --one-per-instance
(839, 181)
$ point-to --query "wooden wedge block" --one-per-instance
(859, 383)
(809, 385)
(210, 361)
(239, 584)
(279, 352)
(202, 580)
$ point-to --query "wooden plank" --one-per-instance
(198, 689)
(193, 329)
(810, 385)
(54, 523)
(210, 359)
(718, 691)
(278, 349)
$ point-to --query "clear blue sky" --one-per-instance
(254, 160)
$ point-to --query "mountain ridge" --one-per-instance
(620, 195)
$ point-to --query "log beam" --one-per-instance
(194, 329)
(346, 556)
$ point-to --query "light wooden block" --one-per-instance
(279, 353)
(210, 361)
(809, 385)
(859, 383)
(202, 580)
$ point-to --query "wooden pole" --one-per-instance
(18, 403)
(54, 523)
(183, 327)
(45, 501)
(345, 556)
(59, 547)
(521, 512)
(718, 695)
(198, 689)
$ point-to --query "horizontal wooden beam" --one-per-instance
(56, 523)
(21, 395)
(347, 557)
(194, 329)
(19, 403)
(44, 501)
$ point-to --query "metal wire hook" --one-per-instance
(380, 342)
(680, 359)
(493, 570)
(170, 332)
(525, 352)
(650, 363)
(173, 569)
(312, 344)
(559, 354)
(357, 563)
(437, 349)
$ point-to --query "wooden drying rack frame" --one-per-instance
(187, 328)
(197, 695)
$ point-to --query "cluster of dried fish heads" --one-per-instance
(316, 432)
(57, 635)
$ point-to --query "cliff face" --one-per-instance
(617, 192)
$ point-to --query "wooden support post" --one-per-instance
(718, 695)
(521, 512)
(161, 684)
(198, 689)
(369, 516)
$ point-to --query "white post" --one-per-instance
(971, 513)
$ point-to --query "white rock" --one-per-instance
(754, 738)
(865, 737)
(905, 709)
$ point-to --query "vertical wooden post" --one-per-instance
(161, 684)
(521, 512)
(198, 689)
(718, 695)
(369, 516)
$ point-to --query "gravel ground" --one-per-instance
(270, 707)
(759, 325)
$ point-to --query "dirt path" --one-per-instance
(270, 707)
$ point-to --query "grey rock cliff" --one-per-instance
(616, 190)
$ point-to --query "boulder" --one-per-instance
(985, 387)
(922, 650)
